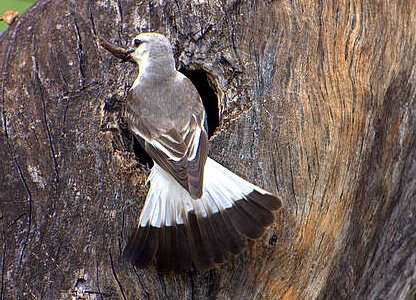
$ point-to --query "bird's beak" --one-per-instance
(128, 57)
(121, 53)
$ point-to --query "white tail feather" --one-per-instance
(168, 203)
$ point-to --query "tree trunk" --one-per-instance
(317, 103)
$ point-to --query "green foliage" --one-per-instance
(18, 5)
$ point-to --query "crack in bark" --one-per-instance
(141, 283)
(80, 52)
(202, 31)
(45, 118)
(121, 238)
(98, 281)
(29, 214)
(91, 18)
(6, 66)
(2, 268)
(292, 180)
(120, 26)
(116, 278)
(5, 63)
(15, 220)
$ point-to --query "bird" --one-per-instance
(197, 213)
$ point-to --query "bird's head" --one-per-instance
(149, 46)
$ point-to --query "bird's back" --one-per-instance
(163, 105)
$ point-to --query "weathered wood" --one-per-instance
(317, 104)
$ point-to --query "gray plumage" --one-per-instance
(164, 108)
(197, 213)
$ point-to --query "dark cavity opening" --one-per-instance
(131, 142)
(135, 144)
(140, 154)
(209, 98)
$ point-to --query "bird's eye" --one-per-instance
(136, 42)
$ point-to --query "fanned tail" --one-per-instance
(176, 232)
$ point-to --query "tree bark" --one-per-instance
(317, 104)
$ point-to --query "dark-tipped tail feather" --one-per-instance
(199, 233)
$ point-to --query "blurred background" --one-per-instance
(18, 5)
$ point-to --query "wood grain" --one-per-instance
(317, 103)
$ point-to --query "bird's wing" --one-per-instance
(181, 147)
(183, 155)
